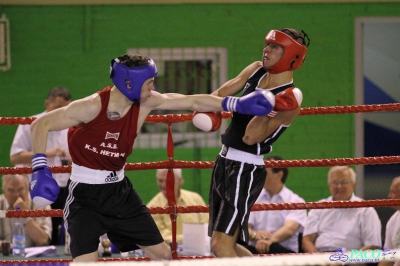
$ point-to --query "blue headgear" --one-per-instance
(130, 80)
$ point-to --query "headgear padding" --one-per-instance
(130, 80)
(294, 53)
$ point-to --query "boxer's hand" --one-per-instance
(43, 188)
(288, 100)
(257, 103)
(207, 121)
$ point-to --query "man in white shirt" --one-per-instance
(15, 195)
(352, 228)
(392, 236)
(276, 231)
(57, 151)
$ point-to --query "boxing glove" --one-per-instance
(287, 100)
(43, 188)
(207, 121)
(257, 103)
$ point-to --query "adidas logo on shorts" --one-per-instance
(112, 177)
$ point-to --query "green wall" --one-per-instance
(72, 46)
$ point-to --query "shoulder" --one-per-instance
(93, 99)
(27, 128)
(371, 213)
(39, 115)
(91, 103)
(190, 194)
(291, 196)
(156, 99)
(256, 64)
(327, 199)
(364, 211)
(355, 198)
(155, 200)
(252, 68)
(393, 219)
(368, 211)
(323, 211)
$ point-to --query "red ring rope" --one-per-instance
(172, 209)
(175, 118)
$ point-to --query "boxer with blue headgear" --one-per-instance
(102, 132)
(129, 80)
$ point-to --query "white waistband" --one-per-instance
(86, 175)
(241, 156)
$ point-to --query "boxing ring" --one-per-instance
(173, 210)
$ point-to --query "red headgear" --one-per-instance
(294, 53)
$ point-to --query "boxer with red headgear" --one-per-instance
(102, 131)
(239, 170)
(294, 52)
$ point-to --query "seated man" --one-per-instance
(16, 193)
(392, 236)
(56, 150)
(352, 228)
(183, 198)
(276, 231)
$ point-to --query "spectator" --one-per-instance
(57, 151)
(392, 236)
(276, 231)
(183, 198)
(16, 193)
(353, 228)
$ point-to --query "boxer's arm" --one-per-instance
(235, 85)
(286, 109)
(77, 112)
(43, 188)
(260, 127)
(255, 103)
(200, 102)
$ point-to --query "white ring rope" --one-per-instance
(268, 260)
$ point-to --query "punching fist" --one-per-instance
(207, 121)
(287, 100)
(43, 188)
(257, 103)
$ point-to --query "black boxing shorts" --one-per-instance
(92, 210)
(235, 186)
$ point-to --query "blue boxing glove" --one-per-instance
(258, 103)
(43, 188)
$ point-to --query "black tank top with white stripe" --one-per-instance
(235, 132)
